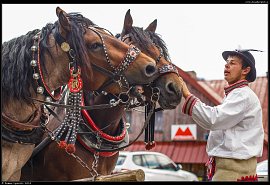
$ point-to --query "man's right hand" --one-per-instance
(185, 90)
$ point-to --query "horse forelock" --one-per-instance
(79, 24)
(16, 69)
(139, 36)
(145, 38)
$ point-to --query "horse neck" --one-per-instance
(57, 75)
(107, 118)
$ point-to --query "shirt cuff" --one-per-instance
(189, 103)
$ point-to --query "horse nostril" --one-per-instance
(150, 70)
(171, 88)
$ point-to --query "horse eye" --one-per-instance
(94, 46)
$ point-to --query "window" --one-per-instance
(151, 161)
(137, 159)
(121, 160)
(159, 121)
(166, 163)
(128, 119)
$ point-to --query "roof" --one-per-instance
(179, 152)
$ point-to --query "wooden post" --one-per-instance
(126, 176)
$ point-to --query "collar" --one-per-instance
(238, 84)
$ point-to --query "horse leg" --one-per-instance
(14, 157)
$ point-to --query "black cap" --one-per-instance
(247, 57)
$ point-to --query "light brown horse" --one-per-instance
(38, 63)
(82, 164)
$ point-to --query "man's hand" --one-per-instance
(185, 90)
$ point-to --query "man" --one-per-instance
(236, 131)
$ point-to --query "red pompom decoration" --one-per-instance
(62, 144)
(70, 148)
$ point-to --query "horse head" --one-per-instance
(150, 43)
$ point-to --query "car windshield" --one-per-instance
(121, 160)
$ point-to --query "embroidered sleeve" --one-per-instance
(189, 103)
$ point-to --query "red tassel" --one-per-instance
(70, 148)
(62, 144)
(150, 145)
(250, 178)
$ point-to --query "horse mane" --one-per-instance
(156, 38)
(145, 38)
(16, 71)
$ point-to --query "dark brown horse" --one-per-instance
(151, 43)
(86, 160)
(71, 51)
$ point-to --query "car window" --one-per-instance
(120, 160)
(137, 159)
(147, 160)
(166, 163)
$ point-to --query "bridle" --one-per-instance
(116, 76)
(166, 68)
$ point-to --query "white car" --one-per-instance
(262, 170)
(156, 166)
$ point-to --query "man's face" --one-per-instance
(233, 71)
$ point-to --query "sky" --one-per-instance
(195, 34)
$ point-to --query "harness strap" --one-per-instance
(16, 125)
(151, 111)
(41, 146)
(92, 107)
(102, 70)
(33, 136)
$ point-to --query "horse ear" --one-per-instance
(152, 27)
(63, 20)
(127, 23)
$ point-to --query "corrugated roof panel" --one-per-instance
(188, 152)
(177, 153)
(195, 153)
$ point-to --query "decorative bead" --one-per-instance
(48, 99)
(34, 48)
(36, 76)
(40, 90)
(33, 63)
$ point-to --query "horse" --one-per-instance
(90, 163)
(73, 51)
(169, 81)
